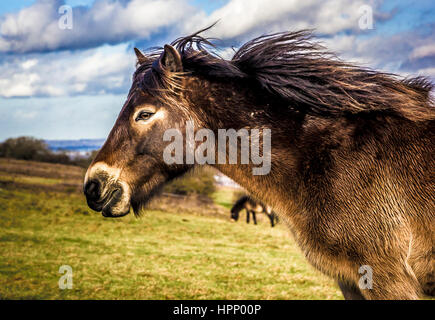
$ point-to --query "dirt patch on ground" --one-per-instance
(44, 170)
(194, 204)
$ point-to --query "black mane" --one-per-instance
(294, 68)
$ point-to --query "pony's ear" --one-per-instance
(139, 55)
(171, 59)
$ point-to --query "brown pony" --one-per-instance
(252, 207)
(352, 155)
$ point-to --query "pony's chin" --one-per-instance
(140, 202)
(108, 214)
(139, 205)
(142, 196)
(115, 211)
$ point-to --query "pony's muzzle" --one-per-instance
(111, 207)
(108, 199)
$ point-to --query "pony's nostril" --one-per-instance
(92, 189)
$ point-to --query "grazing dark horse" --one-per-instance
(252, 207)
(352, 152)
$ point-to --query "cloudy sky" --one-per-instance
(70, 83)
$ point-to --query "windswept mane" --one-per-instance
(294, 68)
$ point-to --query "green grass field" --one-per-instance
(45, 223)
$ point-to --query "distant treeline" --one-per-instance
(200, 181)
(29, 148)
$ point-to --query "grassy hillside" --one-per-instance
(45, 223)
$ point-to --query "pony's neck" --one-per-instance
(233, 105)
(268, 188)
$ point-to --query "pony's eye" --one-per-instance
(144, 115)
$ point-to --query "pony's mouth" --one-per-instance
(114, 206)
(106, 193)
(110, 196)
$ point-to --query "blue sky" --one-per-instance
(69, 84)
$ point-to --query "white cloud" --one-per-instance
(427, 71)
(36, 28)
(423, 51)
(94, 71)
(240, 19)
(28, 64)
